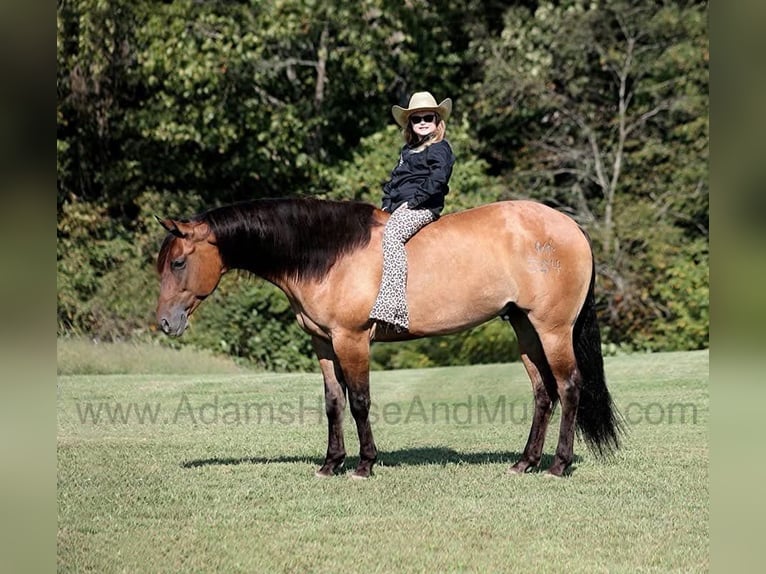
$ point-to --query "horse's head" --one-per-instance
(190, 268)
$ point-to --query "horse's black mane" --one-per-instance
(301, 238)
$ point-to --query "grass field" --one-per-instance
(214, 472)
(83, 357)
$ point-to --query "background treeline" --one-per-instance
(597, 108)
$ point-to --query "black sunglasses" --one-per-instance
(428, 118)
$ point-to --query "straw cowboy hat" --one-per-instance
(421, 102)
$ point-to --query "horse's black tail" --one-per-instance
(598, 421)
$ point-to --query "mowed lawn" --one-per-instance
(211, 472)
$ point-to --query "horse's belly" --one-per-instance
(458, 292)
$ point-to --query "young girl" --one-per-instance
(414, 196)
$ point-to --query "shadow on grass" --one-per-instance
(442, 456)
(248, 460)
(421, 456)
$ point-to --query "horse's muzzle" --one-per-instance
(173, 324)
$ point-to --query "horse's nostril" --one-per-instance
(165, 326)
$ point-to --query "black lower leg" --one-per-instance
(336, 449)
(335, 404)
(368, 452)
(534, 448)
(569, 394)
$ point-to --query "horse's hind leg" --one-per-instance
(335, 403)
(561, 359)
(543, 387)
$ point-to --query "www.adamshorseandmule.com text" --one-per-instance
(473, 410)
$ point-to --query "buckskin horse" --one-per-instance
(519, 260)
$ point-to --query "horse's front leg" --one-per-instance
(335, 404)
(353, 354)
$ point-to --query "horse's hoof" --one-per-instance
(516, 469)
(329, 469)
(359, 476)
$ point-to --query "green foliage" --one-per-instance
(212, 109)
(684, 302)
(91, 249)
(252, 319)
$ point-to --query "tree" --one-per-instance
(601, 110)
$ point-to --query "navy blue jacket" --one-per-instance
(420, 179)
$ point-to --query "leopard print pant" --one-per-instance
(391, 303)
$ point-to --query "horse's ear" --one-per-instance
(170, 226)
(201, 231)
(193, 230)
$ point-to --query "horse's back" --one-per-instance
(516, 216)
(468, 266)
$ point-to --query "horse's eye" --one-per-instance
(177, 264)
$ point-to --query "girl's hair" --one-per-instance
(411, 138)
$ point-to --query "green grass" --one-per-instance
(76, 356)
(203, 489)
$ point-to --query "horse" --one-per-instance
(520, 260)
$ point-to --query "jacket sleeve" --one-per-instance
(387, 198)
(440, 160)
(386, 204)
